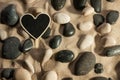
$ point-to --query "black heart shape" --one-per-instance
(35, 26)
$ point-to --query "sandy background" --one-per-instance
(111, 64)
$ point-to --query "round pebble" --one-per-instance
(68, 30)
(58, 4)
(3, 34)
(67, 78)
(98, 19)
(46, 34)
(61, 18)
(10, 48)
(55, 41)
(7, 73)
(99, 78)
(9, 15)
(98, 68)
(51, 75)
(85, 63)
(110, 0)
(27, 45)
(88, 10)
(64, 56)
(112, 17)
(86, 26)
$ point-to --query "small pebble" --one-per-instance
(67, 78)
(68, 30)
(22, 74)
(27, 45)
(86, 26)
(64, 56)
(88, 10)
(110, 0)
(112, 17)
(99, 78)
(61, 18)
(96, 4)
(3, 34)
(79, 4)
(98, 68)
(10, 48)
(109, 78)
(55, 41)
(85, 63)
(46, 34)
(85, 41)
(58, 4)
(51, 75)
(98, 19)
(9, 15)
(104, 28)
(111, 51)
(7, 73)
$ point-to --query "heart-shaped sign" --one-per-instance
(35, 26)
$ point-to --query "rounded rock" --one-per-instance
(51, 75)
(68, 30)
(88, 10)
(85, 63)
(46, 34)
(67, 78)
(64, 56)
(98, 68)
(10, 49)
(9, 15)
(3, 34)
(61, 18)
(55, 41)
(99, 78)
(110, 0)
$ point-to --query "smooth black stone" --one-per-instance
(85, 63)
(99, 78)
(111, 51)
(64, 56)
(58, 4)
(96, 4)
(110, 0)
(112, 17)
(37, 26)
(98, 19)
(9, 15)
(68, 30)
(98, 68)
(109, 78)
(55, 41)
(27, 45)
(79, 4)
(67, 78)
(46, 34)
(7, 73)
(10, 48)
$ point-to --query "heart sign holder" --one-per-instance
(35, 26)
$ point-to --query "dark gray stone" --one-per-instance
(79, 4)
(67, 78)
(98, 68)
(68, 30)
(112, 17)
(9, 15)
(96, 4)
(7, 73)
(111, 51)
(10, 48)
(55, 41)
(110, 0)
(64, 56)
(46, 34)
(58, 4)
(98, 19)
(85, 63)
(99, 78)
(27, 45)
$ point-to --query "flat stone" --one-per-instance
(3, 34)
(64, 56)
(55, 41)
(68, 29)
(79, 4)
(112, 17)
(58, 4)
(96, 4)
(99, 78)
(27, 45)
(98, 19)
(61, 18)
(7, 73)
(46, 34)
(10, 48)
(88, 10)
(9, 15)
(98, 68)
(85, 63)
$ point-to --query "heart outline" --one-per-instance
(34, 17)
